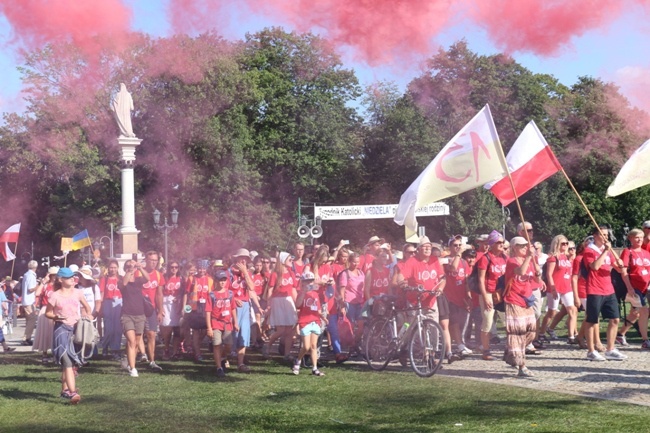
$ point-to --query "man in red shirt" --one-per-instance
(601, 299)
(153, 289)
(423, 269)
(371, 251)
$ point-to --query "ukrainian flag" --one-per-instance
(80, 240)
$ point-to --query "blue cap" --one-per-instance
(65, 273)
(221, 275)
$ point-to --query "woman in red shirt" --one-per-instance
(558, 276)
(521, 272)
(282, 298)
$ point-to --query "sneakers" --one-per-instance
(154, 366)
(595, 356)
(340, 358)
(74, 397)
(27, 342)
(144, 359)
(225, 364)
(621, 340)
(464, 350)
(451, 357)
(243, 368)
(551, 334)
(133, 372)
(645, 345)
(525, 372)
(572, 340)
(221, 372)
(317, 372)
(9, 349)
(296, 369)
(614, 355)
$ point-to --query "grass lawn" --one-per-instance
(189, 398)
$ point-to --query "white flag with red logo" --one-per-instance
(634, 174)
(530, 162)
(469, 160)
(9, 236)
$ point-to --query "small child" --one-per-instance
(310, 312)
(221, 318)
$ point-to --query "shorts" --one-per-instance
(151, 323)
(221, 337)
(552, 302)
(539, 300)
(567, 299)
(458, 315)
(133, 323)
(487, 316)
(607, 306)
(310, 328)
(640, 301)
(443, 307)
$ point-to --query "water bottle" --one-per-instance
(403, 329)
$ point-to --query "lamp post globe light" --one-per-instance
(165, 227)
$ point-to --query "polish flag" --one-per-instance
(530, 162)
(10, 235)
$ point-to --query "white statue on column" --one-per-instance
(122, 105)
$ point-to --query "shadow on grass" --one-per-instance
(25, 379)
(51, 428)
(17, 394)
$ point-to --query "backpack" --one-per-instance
(86, 336)
(472, 280)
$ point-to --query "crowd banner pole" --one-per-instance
(14, 261)
(586, 209)
(514, 191)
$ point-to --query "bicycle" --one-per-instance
(423, 338)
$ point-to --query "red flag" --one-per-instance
(530, 162)
(10, 235)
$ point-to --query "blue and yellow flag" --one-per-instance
(80, 240)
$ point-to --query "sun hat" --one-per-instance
(86, 272)
(53, 270)
(423, 241)
(518, 240)
(374, 239)
(242, 252)
(218, 263)
(284, 256)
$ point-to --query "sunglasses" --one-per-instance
(564, 243)
(572, 248)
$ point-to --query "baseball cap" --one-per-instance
(221, 275)
(646, 224)
(65, 273)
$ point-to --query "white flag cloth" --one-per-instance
(634, 174)
(9, 236)
(470, 160)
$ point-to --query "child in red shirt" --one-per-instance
(221, 318)
(310, 314)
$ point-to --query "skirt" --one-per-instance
(44, 332)
(283, 311)
(521, 327)
(62, 346)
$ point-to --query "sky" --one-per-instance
(387, 40)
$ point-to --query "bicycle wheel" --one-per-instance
(378, 348)
(426, 348)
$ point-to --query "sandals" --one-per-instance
(317, 372)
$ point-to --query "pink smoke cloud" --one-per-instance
(37, 22)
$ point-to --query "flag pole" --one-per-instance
(586, 209)
(512, 184)
(14, 260)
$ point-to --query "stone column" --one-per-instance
(128, 232)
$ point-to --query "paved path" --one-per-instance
(561, 368)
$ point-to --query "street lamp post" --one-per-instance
(165, 228)
(99, 245)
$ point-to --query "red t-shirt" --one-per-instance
(365, 262)
(221, 311)
(149, 288)
(497, 267)
(108, 287)
(337, 268)
(456, 287)
(428, 274)
(237, 283)
(259, 283)
(379, 281)
(288, 283)
(638, 268)
(520, 285)
(173, 287)
(582, 283)
(299, 269)
(599, 282)
(309, 310)
(561, 273)
(198, 290)
(47, 293)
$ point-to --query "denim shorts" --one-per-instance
(310, 328)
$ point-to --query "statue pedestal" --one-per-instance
(128, 232)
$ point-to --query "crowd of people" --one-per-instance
(252, 300)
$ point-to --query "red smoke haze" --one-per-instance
(37, 22)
